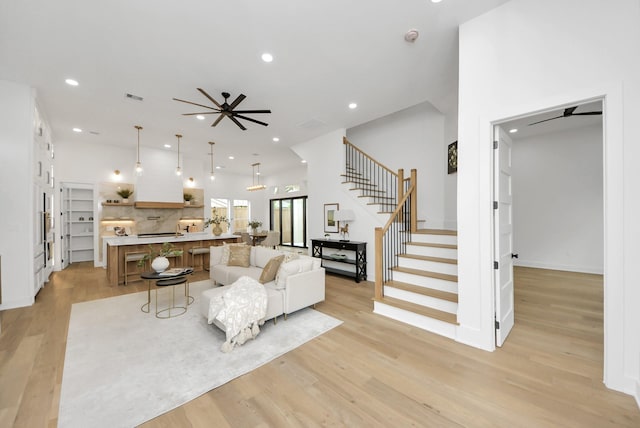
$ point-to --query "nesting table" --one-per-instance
(168, 280)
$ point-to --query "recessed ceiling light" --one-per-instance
(303, 161)
(167, 146)
(276, 139)
(77, 130)
(513, 130)
(267, 57)
(353, 105)
(71, 82)
(218, 167)
(200, 117)
(231, 157)
(436, 1)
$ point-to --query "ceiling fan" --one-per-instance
(226, 110)
(568, 112)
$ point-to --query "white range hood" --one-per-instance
(158, 186)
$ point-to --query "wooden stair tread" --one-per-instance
(436, 275)
(437, 232)
(429, 258)
(368, 190)
(389, 198)
(424, 291)
(429, 244)
(419, 309)
(359, 183)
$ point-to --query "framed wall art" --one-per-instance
(452, 158)
(330, 223)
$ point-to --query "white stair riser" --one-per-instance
(438, 267)
(434, 239)
(419, 299)
(445, 253)
(425, 281)
(429, 324)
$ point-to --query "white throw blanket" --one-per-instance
(241, 308)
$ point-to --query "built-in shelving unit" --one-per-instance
(78, 220)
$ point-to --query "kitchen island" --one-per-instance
(115, 247)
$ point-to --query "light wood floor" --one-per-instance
(370, 371)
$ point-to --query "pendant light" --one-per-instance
(212, 176)
(256, 186)
(138, 163)
(178, 170)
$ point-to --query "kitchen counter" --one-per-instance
(115, 248)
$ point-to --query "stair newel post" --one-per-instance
(400, 191)
(378, 294)
(414, 200)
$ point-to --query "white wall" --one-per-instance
(16, 194)
(557, 200)
(530, 55)
(412, 138)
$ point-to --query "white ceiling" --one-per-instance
(327, 54)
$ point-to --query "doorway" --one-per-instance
(549, 198)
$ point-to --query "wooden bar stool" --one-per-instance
(133, 257)
(198, 251)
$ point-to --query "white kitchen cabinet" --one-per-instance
(78, 214)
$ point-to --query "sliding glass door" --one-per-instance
(289, 217)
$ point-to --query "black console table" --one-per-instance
(357, 256)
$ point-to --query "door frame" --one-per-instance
(614, 313)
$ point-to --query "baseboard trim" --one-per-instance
(20, 303)
(637, 394)
(568, 268)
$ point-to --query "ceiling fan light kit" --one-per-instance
(225, 109)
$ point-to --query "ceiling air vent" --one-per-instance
(133, 97)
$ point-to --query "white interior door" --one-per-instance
(503, 235)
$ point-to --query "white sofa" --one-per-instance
(298, 284)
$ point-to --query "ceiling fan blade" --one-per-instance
(588, 113)
(218, 120)
(195, 104)
(569, 111)
(206, 112)
(237, 123)
(546, 120)
(237, 101)
(252, 111)
(250, 119)
(209, 96)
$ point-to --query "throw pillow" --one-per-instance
(225, 251)
(286, 269)
(288, 256)
(239, 255)
(270, 270)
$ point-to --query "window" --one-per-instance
(289, 217)
(237, 211)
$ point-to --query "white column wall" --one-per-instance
(557, 200)
(16, 194)
(530, 55)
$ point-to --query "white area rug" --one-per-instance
(123, 367)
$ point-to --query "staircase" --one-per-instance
(424, 288)
(416, 269)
